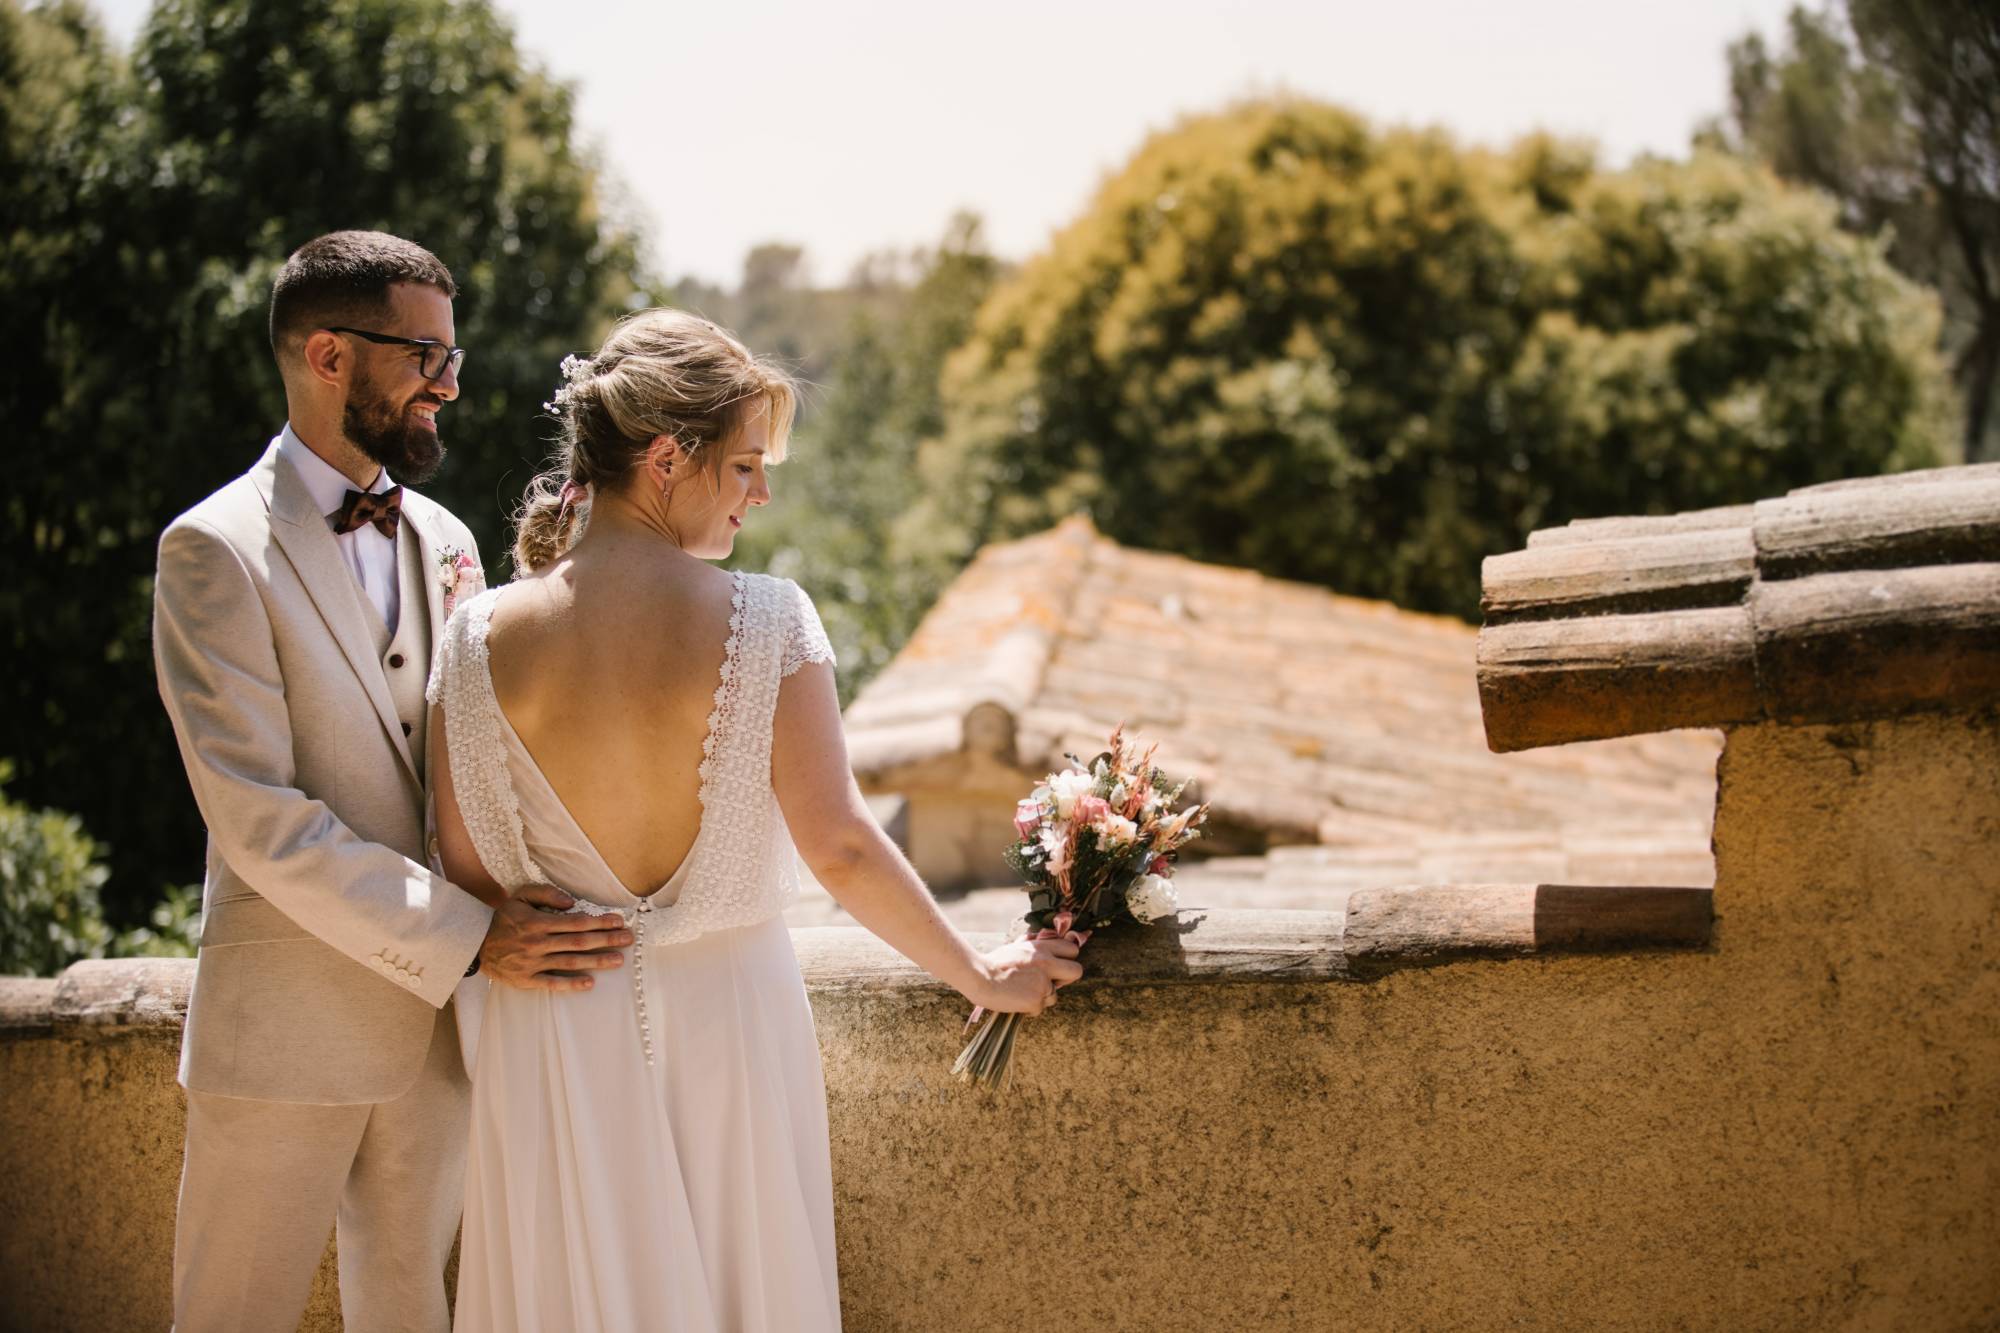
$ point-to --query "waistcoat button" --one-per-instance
(395, 660)
(406, 728)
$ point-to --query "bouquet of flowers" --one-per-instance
(1097, 845)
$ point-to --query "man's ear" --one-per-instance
(327, 358)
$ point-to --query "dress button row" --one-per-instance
(640, 916)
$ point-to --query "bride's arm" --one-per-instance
(867, 874)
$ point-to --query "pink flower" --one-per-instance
(1160, 865)
(1027, 816)
(1090, 810)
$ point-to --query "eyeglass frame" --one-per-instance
(454, 357)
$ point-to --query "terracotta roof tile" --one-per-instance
(1855, 599)
(1306, 716)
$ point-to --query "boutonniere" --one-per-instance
(459, 575)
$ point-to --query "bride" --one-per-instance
(654, 735)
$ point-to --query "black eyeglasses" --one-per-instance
(431, 361)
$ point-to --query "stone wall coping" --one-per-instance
(1378, 930)
(1850, 600)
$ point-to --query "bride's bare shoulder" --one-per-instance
(583, 599)
(524, 605)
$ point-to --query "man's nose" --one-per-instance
(445, 386)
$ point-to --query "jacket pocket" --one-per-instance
(251, 920)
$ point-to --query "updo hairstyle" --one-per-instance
(661, 372)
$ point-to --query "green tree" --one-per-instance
(51, 908)
(837, 500)
(50, 878)
(1893, 108)
(1280, 339)
(164, 196)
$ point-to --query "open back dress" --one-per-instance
(650, 1154)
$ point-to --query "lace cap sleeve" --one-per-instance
(805, 637)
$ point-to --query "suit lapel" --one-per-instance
(302, 532)
(428, 552)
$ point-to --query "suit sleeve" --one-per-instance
(220, 678)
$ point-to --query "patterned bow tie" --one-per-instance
(385, 511)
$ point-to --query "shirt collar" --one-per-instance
(326, 484)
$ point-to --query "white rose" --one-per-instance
(1117, 831)
(1055, 849)
(1066, 787)
(1151, 899)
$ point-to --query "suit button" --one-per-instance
(395, 660)
(406, 728)
(434, 846)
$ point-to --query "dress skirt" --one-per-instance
(611, 1188)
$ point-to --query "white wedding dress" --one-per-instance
(650, 1154)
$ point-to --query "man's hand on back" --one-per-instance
(535, 943)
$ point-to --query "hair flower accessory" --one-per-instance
(574, 368)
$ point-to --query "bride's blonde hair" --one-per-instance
(661, 372)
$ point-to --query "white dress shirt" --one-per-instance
(370, 556)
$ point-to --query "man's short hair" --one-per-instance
(344, 277)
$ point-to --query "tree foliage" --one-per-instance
(1281, 339)
(159, 196)
(51, 909)
(1893, 108)
(50, 878)
(851, 476)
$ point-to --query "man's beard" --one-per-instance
(390, 435)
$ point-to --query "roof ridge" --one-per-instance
(1862, 598)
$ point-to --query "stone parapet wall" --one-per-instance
(1465, 1108)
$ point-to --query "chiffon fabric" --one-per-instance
(650, 1154)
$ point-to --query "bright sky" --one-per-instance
(852, 127)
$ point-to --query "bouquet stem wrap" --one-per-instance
(988, 1058)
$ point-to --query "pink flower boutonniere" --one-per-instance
(460, 576)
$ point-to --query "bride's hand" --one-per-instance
(1022, 976)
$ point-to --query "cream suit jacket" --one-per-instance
(329, 941)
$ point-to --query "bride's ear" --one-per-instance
(663, 453)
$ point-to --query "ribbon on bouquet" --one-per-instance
(1060, 927)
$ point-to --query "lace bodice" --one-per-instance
(741, 869)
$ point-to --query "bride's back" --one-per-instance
(606, 666)
(606, 660)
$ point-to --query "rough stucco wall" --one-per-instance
(90, 1166)
(1797, 1129)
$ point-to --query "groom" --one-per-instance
(295, 613)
